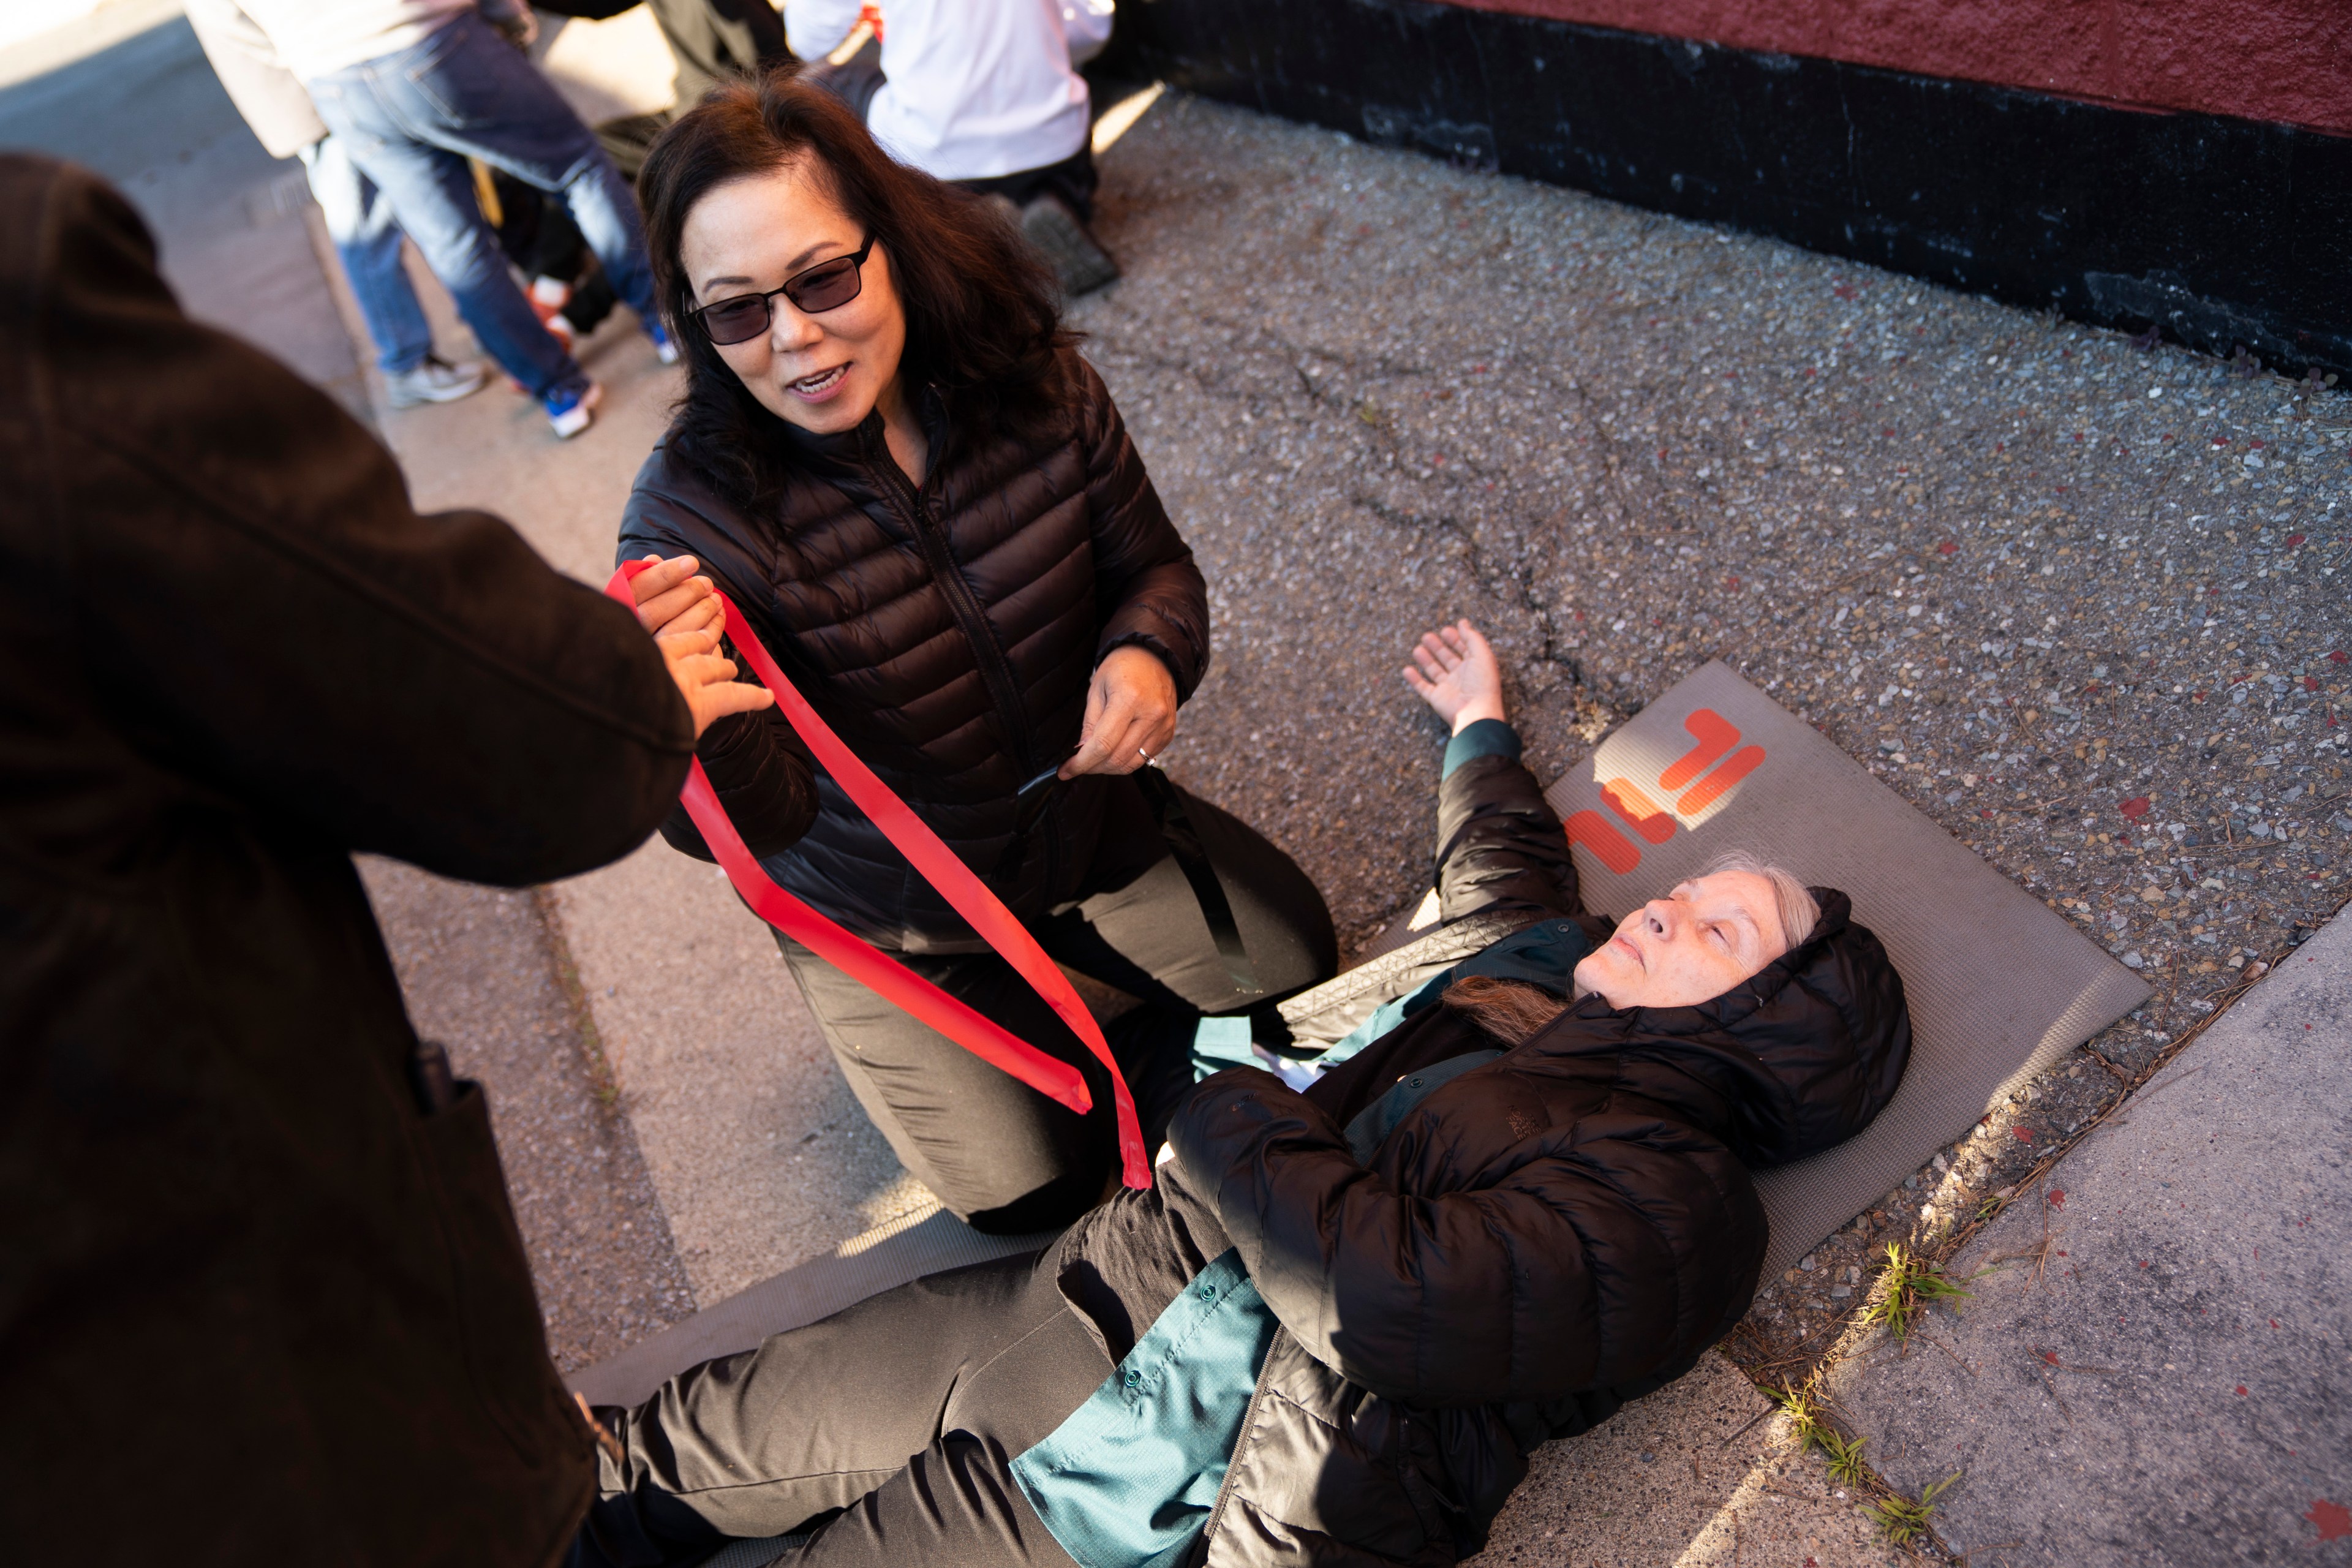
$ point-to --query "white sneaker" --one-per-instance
(572, 405)
(434, 380)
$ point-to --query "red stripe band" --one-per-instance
(969, 897)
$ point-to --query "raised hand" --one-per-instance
(683, 612)
(672, 598)
(1130, 714)
(1455, 673)
(707, 679)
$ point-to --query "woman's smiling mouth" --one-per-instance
(819, 386)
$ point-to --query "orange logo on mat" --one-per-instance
(1717, 737)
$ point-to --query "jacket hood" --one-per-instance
(1806, 1051)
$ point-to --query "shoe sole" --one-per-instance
(414, 399)
(580, 415)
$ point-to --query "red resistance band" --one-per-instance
(886, 976)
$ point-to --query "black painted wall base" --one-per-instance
(2224, 233)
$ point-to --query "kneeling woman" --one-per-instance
(1334, 1329)
(892, 459)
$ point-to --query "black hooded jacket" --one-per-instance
(1543, 1238)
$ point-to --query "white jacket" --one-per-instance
(975, 88)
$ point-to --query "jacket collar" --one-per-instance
(862, 443)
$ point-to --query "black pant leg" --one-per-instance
(1144, 931)
(997, 1154)
(904, 1410)
(854, 82)
(1074, 179)
(955, 1504)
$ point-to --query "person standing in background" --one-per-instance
(366, 238)
(981, 94)
(415, 88)
(258, 1275)
(711, 40)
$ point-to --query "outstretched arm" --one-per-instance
(1499, 847)
(761, 773)
(265, 614)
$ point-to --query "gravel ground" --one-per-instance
(482, 976)
(2079, 600)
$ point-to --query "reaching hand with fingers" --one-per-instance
(1455, 671)
(683, 612)
(1130, 714)
(672, 596)
(706, 680)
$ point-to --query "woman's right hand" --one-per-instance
(672, 598)
(683, 612)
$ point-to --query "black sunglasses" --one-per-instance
(828, 285)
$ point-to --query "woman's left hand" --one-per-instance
(1130, 714)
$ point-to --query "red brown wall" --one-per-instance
(2257, 60)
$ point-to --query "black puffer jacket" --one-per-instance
(947, 633)
(1542, 1238)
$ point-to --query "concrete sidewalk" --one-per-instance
(2078, 602)
(2156, 1365)
(1361, 439)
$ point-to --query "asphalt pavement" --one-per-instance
(2076, 598)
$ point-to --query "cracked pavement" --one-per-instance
(2079, 600)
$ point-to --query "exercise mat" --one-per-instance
(1999, 985)
(884, 1258)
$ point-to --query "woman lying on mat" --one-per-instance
(1334, 1329)
(894, 462)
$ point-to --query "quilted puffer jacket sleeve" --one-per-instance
(763, 775)
(1499, 845)
(1579, 1258)
(1148, 592)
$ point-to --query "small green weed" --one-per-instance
(1802, 1409)
(1811, 1423)
(1907, 1288)
(1845, 1457)
(1904, 1521)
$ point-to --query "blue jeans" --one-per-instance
(367, 238)
(410, 120)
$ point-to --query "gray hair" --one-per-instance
(1797, 912)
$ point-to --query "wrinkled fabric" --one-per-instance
(1126, 1480)
(947, 633)
(1538, 1239)
(242, 1262)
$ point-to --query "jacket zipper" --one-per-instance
(964, 605)
(1233, 1460)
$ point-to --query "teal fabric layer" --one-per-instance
(1485, 738)
(1128, 1481)
(1545, 954)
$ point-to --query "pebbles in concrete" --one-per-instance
(483, 976)
(2156, 1365)
(1698, 1474)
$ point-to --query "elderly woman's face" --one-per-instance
(1689, 947)
(824, 372)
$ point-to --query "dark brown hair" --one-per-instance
(984, 322)
(1511, 1010)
